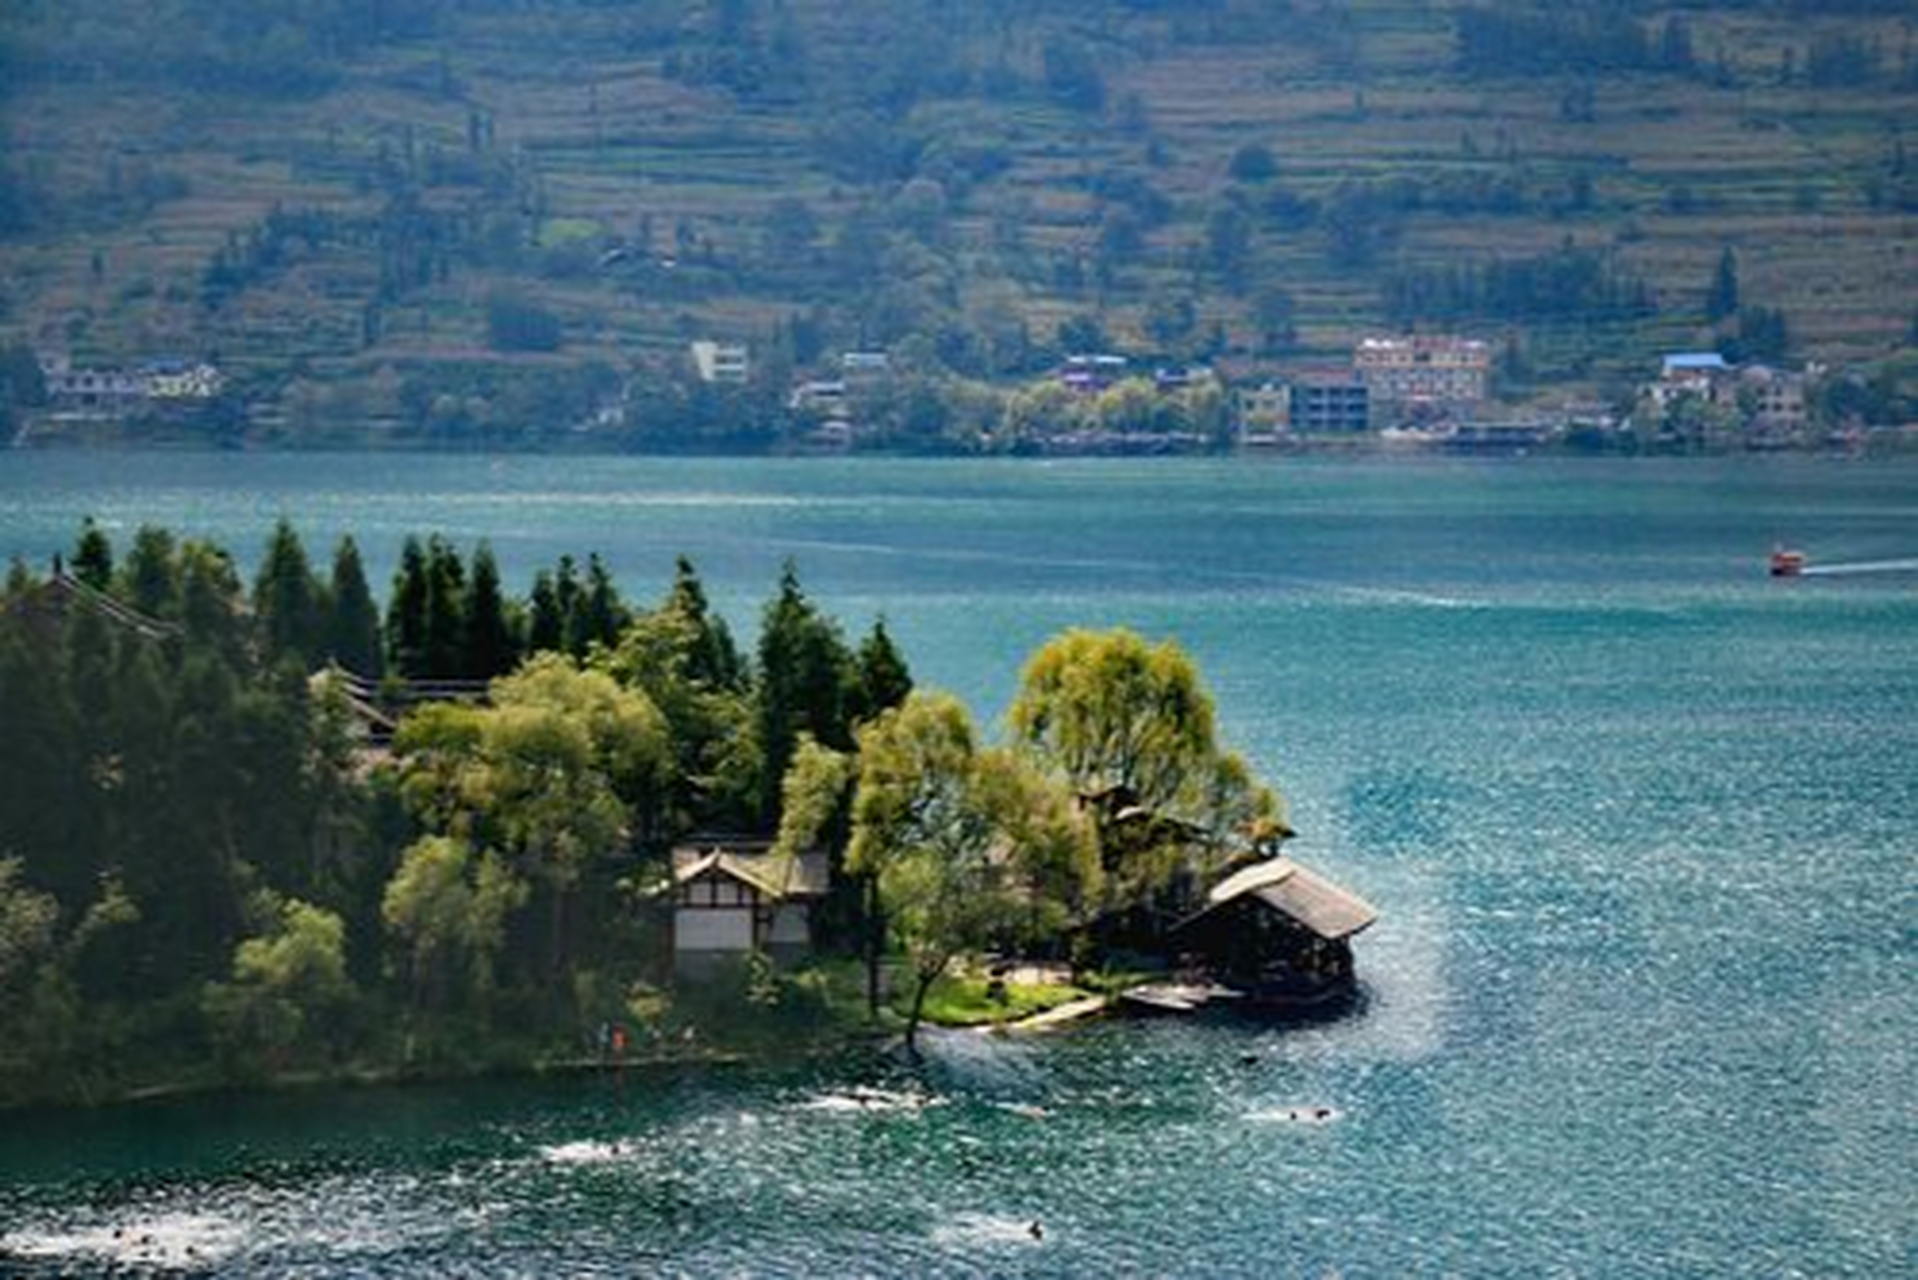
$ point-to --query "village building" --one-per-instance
(178, 380)
(1773, 400)
(1331, 402)
(1771, 406)
(86, 392)
(820, 397)
(46, 607)
(1423, 374)
(721, 362)
(733, 897)
(864, 368)
(82, 392)
(1264, 411)
(1089, 373)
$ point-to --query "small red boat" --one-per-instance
(1787, 563)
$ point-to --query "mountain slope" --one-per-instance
(349, 201)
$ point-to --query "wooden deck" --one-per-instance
(1175, 997)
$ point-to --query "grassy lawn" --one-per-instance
(974, 1000)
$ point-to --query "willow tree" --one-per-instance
(970, 848)
(446, 909)
(1131, 728)
(560, 777)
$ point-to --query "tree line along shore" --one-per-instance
(265, 831)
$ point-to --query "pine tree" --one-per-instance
(93, 557)
(353, 621)
(884, 680)
(714, 660)
(444, 637)
(566, 594)
(602, 614)
(211, 601)
(149, 580)
(805, 676)
(546, 626)
(406, 612)
(1722, 299)
(490, 648)
(285, 605)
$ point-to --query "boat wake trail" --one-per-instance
(1909, 565)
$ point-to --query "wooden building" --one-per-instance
(732, 897)
(1276, 931)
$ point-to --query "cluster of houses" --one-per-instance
(1390, 382)
(81, 391)
(1767, 405)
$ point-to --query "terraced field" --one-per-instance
(889, 170)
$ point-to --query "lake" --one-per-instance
(1640, 821)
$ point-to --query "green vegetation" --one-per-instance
(223, 858)
(471, 222)
(972, 1000)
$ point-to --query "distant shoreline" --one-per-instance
(1881, 443)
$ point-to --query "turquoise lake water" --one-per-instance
(1642, 824)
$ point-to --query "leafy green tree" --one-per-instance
(446, 909)
(970, 848)
(27, 919)
(1129, 727)
(815, 813)
(288, 991)
(559, 777)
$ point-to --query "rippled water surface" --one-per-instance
(1641, 823)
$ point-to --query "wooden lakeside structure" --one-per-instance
(1273, 937)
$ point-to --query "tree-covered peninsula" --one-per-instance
(267, 830)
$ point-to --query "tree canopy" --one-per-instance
(1129, 727)
(971, 849)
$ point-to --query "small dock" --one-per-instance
(1175, 997)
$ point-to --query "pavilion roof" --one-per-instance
(1312, 901)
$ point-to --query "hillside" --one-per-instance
(465, 216)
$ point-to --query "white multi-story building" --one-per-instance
(1421, 369)
(721, 361)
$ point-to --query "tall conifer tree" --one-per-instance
(285, 598)
(490, 648)
(406, 611)
(353, 621)
(93, 556)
